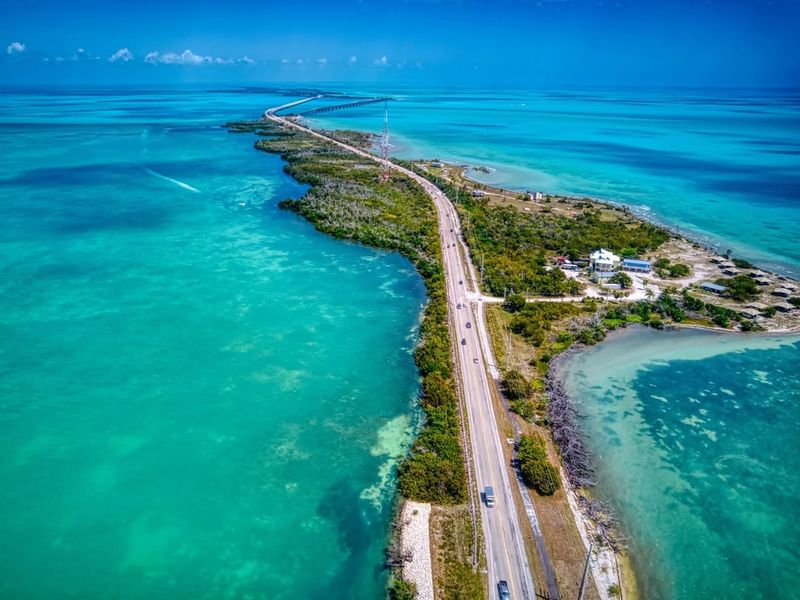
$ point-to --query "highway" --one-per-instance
(505, 551)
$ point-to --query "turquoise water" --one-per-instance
(200, 396)
(696, 446)
(721, 165)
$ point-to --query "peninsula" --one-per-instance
(513, 280)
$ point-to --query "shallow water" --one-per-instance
(200, 396)
(696, 446)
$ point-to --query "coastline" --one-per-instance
(624, 560)
(646, 215)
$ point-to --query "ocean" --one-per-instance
(722, 166)
(200, 396)
(694, 436)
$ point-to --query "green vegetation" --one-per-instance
(664, 268)
(740, 287)
(623, 279)
(519, 392)
(513, 246)
(451, 543)
(345, 200)
(536, 470)
(400, 589)
(742, 263)
(795, 301)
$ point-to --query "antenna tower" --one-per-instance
(384, 176)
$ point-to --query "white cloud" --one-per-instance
(187, 57)
(353, 60)
(322, 61)
(121, 55)
(285, 61)
(15, 48)
(299, 61)
(381, 62)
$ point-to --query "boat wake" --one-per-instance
(177, 182)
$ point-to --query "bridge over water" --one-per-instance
(355, 104)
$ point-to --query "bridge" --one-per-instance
(356, 104)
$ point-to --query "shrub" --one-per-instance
(515, 386)
(400, 589)
(742, 263)
(537, 472)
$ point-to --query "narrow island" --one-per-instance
(555, 272)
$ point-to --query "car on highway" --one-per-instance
(463, 341)
(460, 282)
(502, 590)
(458, 305)
(488, 496)
(475, 360)
(469, 325)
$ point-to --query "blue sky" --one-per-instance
(446, 42)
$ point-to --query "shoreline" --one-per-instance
(648, 216)
(624, 560)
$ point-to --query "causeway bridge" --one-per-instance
(333, 107)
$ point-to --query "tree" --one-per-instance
(623, 279)
(536, 470)
(515, 386)
(740, 287)
(515, 303)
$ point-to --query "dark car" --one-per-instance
(502, 590)
(469, 325)
(463, 341)
(460, 282)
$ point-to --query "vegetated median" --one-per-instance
(346, 200)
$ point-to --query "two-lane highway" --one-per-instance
(505, 550)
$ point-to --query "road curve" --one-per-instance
(505, 549)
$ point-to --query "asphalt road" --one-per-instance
(505, 550)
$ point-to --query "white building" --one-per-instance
(603, 260)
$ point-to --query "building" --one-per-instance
(634, 265)
(784, 307)
(762, 281)
(603, 260)
(781, 292)
(601, 276)
(750, 313)
(731, 271)
(713, 287)
(538, 196)
(478, 193)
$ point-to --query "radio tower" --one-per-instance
(384, 176)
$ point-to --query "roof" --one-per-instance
(784, 306)
(636, 262)
(603, 255)
(713, 286)
(750, 313)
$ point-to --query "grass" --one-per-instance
(451, 541)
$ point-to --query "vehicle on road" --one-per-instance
(475, 360)
(469, 325)
(488, 496)
(463, 341)
(502, 590)
(458, 305)
(460, 282)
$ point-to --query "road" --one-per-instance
(505, 550)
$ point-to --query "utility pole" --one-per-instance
(385, 171)
(585, 572)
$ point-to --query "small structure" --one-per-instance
(730, 271)
(714, 288)
(635, 265)
(603, 260)
(538, 196)
(718, 259)
(478, 193)
(436, 164)
(784, 307)
(781, 292)
(600, 276)
(757, 306)
(750, 313)
(762, 281)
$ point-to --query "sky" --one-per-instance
(440, 42)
